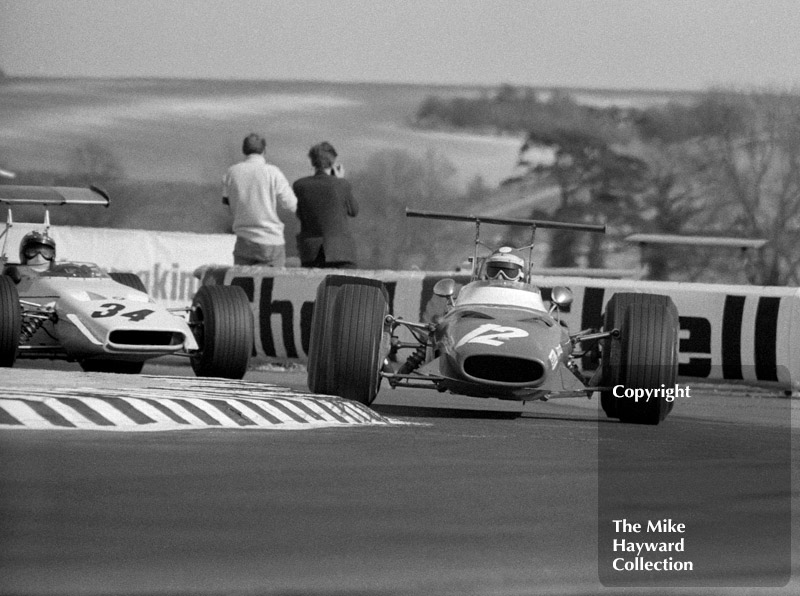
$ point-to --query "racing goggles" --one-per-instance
(47, 252)
(511, 272)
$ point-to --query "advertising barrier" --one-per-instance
(726, 332)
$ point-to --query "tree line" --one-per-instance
(726, 163)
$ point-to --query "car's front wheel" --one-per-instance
(359, 319)
(645, 356)
(347, 344)
(320, 373)
(222, 323)
(10, 321)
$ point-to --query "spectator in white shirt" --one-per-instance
(253, 189)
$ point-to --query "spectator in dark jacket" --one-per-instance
(325, 203)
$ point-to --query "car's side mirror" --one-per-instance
(445, 288)
(561, 297)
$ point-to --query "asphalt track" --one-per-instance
(466, 497)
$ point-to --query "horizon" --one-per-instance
(481, 86)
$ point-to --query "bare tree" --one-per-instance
(597, 180)
(672, 203)
(391, 181)
(751, 174)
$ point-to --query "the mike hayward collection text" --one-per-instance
(647, 555)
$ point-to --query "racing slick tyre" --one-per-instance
(645, 356)
(128, 279)
(320, 374)
(222, 323)
(10, 321)
(121, 367)
(357, 332)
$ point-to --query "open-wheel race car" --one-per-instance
(107, 322)
(496, 338)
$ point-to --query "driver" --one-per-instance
(37, 251)
(503, 265)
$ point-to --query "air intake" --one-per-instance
(502, 369)
(127, 337)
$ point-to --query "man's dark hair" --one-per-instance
(322, 155)
(253, 143)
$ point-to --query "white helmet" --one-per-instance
(503, 265)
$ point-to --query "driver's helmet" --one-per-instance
(503, 265)
(37, 251)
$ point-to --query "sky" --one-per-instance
(605, 44)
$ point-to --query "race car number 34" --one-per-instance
(113, 309)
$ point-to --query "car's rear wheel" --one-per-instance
(357, 332)
(645, 356)
(222, 322)
(122, 367)
(10, 321)
(128, 279)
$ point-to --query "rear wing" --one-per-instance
(535, 223)
(52, 195)
(528, 223)
(11, 194)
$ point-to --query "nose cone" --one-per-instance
(510, 354)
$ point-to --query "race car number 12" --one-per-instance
(492, 335)
(112, 309)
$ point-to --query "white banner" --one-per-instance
(165, 261)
